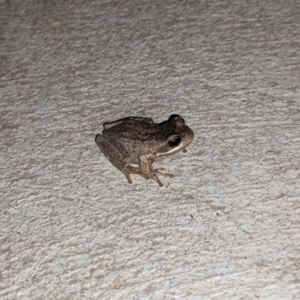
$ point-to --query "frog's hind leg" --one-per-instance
(117, 156)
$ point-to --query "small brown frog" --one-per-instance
(137, 140)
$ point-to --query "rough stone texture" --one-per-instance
(227, 226)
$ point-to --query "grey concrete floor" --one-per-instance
(226, 226)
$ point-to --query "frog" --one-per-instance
(140, 141)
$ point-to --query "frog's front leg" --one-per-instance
(116, 154)
(146, 170)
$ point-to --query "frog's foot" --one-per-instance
(155, 172)
(151, 175)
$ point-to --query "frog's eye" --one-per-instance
(174, 141)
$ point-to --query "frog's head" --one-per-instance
(178, 136)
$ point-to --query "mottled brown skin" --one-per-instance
(136, 140)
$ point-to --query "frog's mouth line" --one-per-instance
(175, 150)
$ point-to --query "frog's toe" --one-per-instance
(127, 173)
(128, 178)
(158, 171)
(154, 177)
(132, 170)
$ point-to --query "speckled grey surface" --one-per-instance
(227, 226)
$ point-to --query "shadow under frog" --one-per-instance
(140, 141)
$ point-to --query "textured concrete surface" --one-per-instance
(227, 226)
